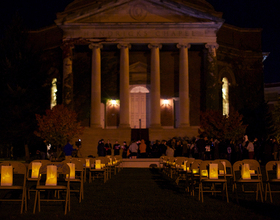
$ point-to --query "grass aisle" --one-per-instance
(145, 194)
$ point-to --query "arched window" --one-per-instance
(53, 93)
(225, 91)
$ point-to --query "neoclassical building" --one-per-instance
(147, 68)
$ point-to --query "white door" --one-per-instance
(138, 110)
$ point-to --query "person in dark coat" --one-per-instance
(101, 148)
(200, 144)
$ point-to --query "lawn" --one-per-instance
(146, 194)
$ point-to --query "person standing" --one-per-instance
(143, 149)
(162, 147)
(124, 148)
(117, 148)
(200, 144)
(250, 149)
(101, 149)
(108, 147)
(68, 150)
(169, 151)
(133, 148)
(178, 149)
(245, 153)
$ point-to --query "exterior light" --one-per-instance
(165, 102)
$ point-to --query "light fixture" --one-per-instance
(165, 101)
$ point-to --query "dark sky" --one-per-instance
(242, 13)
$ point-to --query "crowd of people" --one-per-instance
(201, 147)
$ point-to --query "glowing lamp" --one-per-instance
(35, 169)
(245, 171)
(51, 175)
(98, 164)
(252, 172)
(6, 175)
(188, 169)
(165, 102)
(204, 173)
(213, 171)
(72, 170)
(221, 172)
(278, 171)
(110, 162)
(87, 163)
(194, 171)
(102, 165)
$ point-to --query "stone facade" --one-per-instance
(160, 61)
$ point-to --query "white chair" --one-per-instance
(63, 184)
(19, 169)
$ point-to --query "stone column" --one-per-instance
(212, 84)
(155, 86)
(124, 85)
(95, 85)
(67, 91)
(184, 85)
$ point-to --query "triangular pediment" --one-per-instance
(138, 67)
(135, 11)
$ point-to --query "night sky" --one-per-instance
(242, 13)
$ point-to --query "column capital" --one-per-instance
(152, 45)
(212, 46)
(95, 46)
(183, 45)
(124, 45)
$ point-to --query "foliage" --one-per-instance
(215, 125)
(58, 125)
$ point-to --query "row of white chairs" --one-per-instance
(246, 173)
(55, 177)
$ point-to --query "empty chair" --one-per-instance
(246, 173)
(53, 177)
(77, 178)
(210, 178)
(194, 173)
(272, 178)
(13, 178)
(32, 174)
(98, 168)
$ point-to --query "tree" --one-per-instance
(58, 125)
(223, 127)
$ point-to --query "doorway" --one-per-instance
(139, 107)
